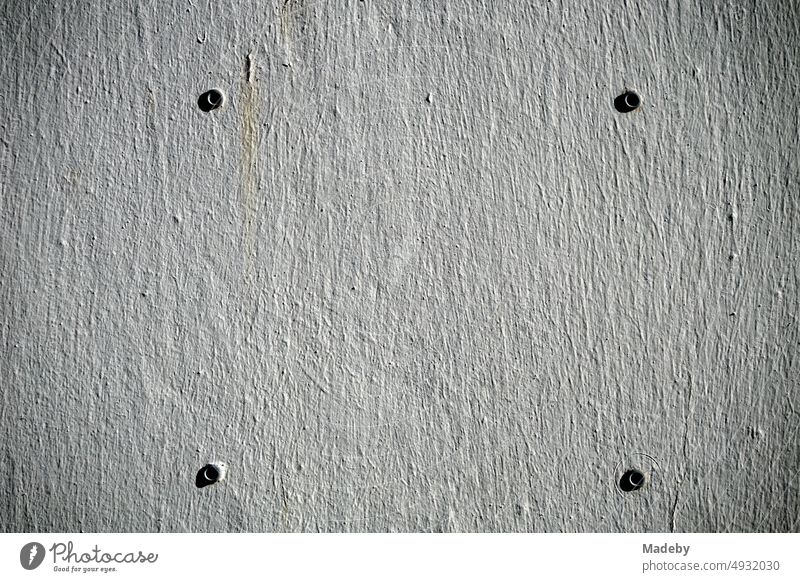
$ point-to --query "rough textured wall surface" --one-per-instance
(416, 274)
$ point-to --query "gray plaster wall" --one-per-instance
(417, 273)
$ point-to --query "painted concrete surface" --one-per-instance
(416, 274)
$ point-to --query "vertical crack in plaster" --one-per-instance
(689, 403)
(249, 160)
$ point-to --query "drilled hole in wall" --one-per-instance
(210, 474)
(210, 100)
(627, 102)
(631, 480)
